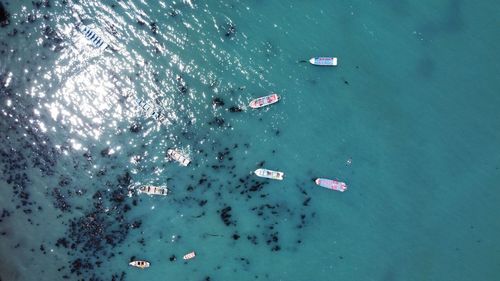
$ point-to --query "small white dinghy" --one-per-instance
(153, 190)
(189, 256)
(264, 101)
(331, 184)
(174, 154)
(95, 39)
(324, 61)
(265, 173)
(150, 110)
(139, 264)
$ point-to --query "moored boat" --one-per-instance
(153, 190)
(264, 101)
(95, 39)
(189, 256)
(150, 110)
(139, 264)
(323, 61)
(174, 154)
(331, 184)
(265, 173)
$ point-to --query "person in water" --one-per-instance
(231, 30)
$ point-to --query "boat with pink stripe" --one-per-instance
(263, 101)
(331, 184)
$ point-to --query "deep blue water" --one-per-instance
(408, 119)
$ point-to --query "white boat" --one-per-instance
(189, 256)
(174, 154)
(139, 264)
(331, 184)
(265, 173)
(323, 61)
(150, 109)
(264, 101)
(153, 190)
(95, 39)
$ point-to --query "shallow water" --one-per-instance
(408, 120)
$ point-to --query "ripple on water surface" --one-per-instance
(82, 127)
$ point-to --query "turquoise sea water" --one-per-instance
(408, 119)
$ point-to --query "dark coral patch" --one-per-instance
(235, 109)
(217, 102)
(135, 128)
(225, 215)
(4, 16)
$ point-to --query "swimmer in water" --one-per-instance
(231, 30)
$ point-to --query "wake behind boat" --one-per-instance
(139, 264)
(174, 154)
(264, 101)
(265, 173)
(153, 190)
(323, 61)
(331, 184)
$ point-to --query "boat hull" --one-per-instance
(264, 101)
(140, 264)
(95, 39)
(151, 110)
(177, 156)
(153, 190)
(274, 175)
(331, 184)
(323, 61)
(189, 256)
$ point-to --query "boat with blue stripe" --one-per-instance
(95, 39)
(150, 110)
(323, 61)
